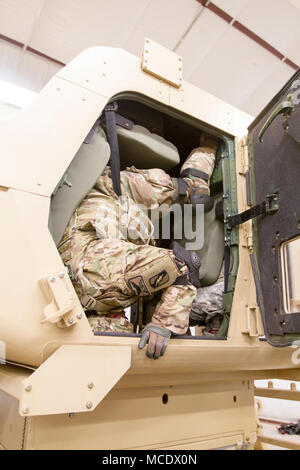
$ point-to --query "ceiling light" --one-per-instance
(16, 95)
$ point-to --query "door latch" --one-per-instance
(270, 206)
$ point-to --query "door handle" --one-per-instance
(285, 107)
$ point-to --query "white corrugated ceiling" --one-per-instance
(217, 56)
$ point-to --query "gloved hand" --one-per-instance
(157, 339)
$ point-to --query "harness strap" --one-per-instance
(92, 304)
(188, 172)
(112, 138)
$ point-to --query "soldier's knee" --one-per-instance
(193, 263)
(158, 274)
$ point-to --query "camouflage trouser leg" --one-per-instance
(147, 187)
(109, 275)
(201, 160)
(174, 308)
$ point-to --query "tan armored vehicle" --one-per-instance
(63, 387)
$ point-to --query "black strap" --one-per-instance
(252, 213)
(197, 173)
(182, 187)
(112, 138)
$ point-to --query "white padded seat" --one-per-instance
(83, 172)
(143, 149)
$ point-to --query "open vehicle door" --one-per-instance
(274, 190)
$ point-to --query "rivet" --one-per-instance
(28, 388)
(25, 410)
(70, 321)
(104, 74)
(79, 316)
(61, 275)
(71, 415)
(52, 279)
(90, 385)
(89, 405)
(83, 99)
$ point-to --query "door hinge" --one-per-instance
(59, 310)
(244, 159)
(269, 207)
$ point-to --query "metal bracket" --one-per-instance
(270, 206)
(59, 310)
(162, 63)
(252, 322)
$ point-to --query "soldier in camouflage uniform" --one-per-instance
(110, 251)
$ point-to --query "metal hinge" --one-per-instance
(269, 207)
(244, 159)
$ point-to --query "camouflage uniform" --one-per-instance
(207, 309)
(108, 244)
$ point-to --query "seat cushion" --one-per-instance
(83, 172)
(143, 149)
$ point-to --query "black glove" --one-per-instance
(157, 339)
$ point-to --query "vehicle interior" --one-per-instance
(151, 135)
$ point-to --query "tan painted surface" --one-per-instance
(137, 418)
(201, 378)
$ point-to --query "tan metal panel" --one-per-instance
(54, 126)
(33, 257)
(73, 379)
(210, 109)
(12, 425)
(162, 63)
(137, 419)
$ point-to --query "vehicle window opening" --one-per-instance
(184, 137)
(290, 262)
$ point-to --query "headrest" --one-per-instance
(83, 172)
(142, 149)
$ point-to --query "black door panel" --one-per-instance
(275, 168)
